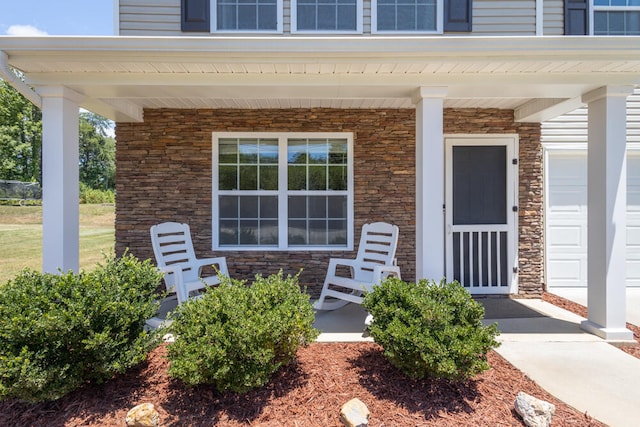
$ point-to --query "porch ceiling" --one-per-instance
(121, 76)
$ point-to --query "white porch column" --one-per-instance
(607, 206)
(430, 183)
(60, 179)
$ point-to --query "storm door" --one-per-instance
(481, 213)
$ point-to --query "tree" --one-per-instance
(20, 136)
(97, 152)
(21, 143)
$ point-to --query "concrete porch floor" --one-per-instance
(579, 295)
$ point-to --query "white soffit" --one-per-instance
(120, 76)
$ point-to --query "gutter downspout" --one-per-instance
(15, 81)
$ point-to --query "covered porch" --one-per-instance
(535, 78)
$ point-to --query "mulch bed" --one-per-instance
(308, 393)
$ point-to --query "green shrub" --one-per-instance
(237, 336)
(60, 331)
(95, 196)
(429, 329)
(21, 202)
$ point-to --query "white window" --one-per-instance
(406, 16)
(282, 191)
(616, 17)
(246, 16)
(328, 16)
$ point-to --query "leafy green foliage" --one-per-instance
(21, 143)
(20, 136)
(92, 195)
(430, 330)
(97, 152)
(237, 336)
(60, 331)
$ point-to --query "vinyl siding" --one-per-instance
(150, 18)
(553, 18)
(504, 18)
(490, 17)
(572, 127)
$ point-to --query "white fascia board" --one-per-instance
(540, 110)
(499, 86)
(119, 110)
(461, 48)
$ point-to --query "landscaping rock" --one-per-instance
(143, 415)
(354, 413)
(534, 412)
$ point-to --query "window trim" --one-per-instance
(279, 19)
(439, 21)
(294, 21)
(592, 14)
(282, 193)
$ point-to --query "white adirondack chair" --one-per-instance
(176, 258)
(374, 262)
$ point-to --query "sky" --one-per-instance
(57, 17)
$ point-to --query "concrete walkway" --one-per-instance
(578, 368)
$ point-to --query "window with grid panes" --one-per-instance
(405, 15)
(341, 16)
(616, 17)
(247, 15)
(283, 191)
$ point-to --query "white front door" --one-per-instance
(481, 212)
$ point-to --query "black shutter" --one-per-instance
(195, 15)
(457, 15)
(576, 17)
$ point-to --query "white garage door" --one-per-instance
(566, 220)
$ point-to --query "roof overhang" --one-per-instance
(538, 77)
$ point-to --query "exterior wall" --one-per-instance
(490, 17)
(150, 18)
(572, 127)
(164, 173)
(504, 17)
(553, 24)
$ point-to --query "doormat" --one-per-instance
(505, 308)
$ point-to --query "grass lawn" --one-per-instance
(21, 237)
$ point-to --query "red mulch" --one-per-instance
(309, 393)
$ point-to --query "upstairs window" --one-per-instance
(616, 17)
(247, 15)
(337, 16)
(406, 16)
(282, 191)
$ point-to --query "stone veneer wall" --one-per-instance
(164, 173)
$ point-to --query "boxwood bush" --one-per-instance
(430, 329)
(58, 331)
(236, 336)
